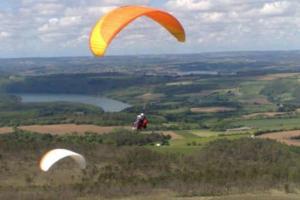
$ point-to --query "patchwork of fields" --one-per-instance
(184, 107)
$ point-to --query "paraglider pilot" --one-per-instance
(141, 122)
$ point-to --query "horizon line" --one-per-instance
(149, 55)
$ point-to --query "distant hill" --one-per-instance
(227, 62)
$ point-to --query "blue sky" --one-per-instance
(157, 3)
(38, 28)
(4, 5)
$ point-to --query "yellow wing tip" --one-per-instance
(181, 38)
(97, 46)
(96, 50)
(98, 53)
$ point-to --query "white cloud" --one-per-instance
(195, 5)
(4, 35)
(48, 8)
(77, 41)
(55, 24)
(213, 17)
(99, 10)
(238, 24)
(126, 2)
(70, 21)
(47, 25)
(275, 8)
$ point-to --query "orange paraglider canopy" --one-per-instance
(112, 23)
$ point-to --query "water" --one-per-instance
(108, 105)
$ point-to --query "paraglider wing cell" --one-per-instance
(53, 156)
(112, 23)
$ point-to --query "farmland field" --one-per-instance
(211, 109)
(70, 128)
(271, 77)
(284, 137)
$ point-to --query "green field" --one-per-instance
(193, 140)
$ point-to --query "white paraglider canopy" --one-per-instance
(53, 156)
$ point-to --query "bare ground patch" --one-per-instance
(212, 109)
(174, 135)
(203, 93)
(263, 114)
(69, 128)
(257, 101)
(150, 96)
(6, 130)
(271, 77)
(283, 137)
(180, 83)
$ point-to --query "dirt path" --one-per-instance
(283, 137)
(69, 128)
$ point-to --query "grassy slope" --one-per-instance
(193, 140)
(134, 168)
